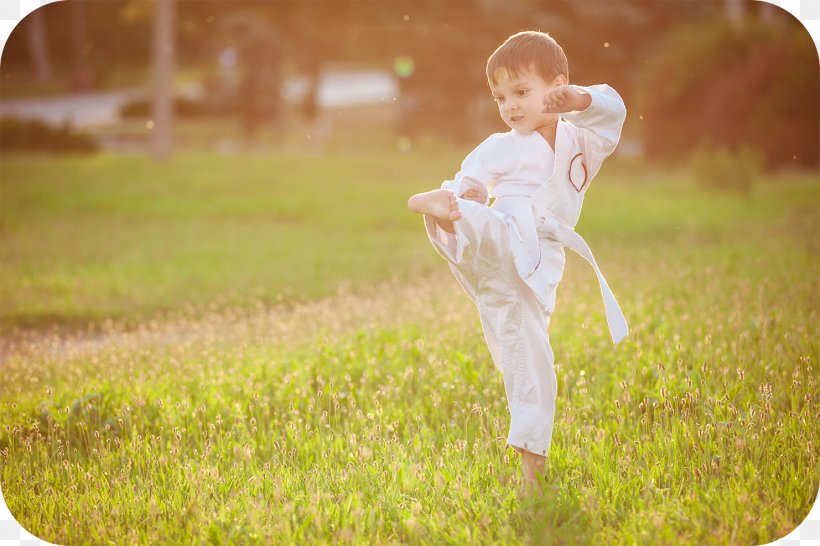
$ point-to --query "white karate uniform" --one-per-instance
(509, 257)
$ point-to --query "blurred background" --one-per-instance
(204, 201)
(246, 73)
(154, 152)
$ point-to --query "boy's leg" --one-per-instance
(534, 388)
(514, 324)
(480, 235)
(532, 466)
(446, 225)
(515, 327)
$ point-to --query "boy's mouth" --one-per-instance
(516, 119)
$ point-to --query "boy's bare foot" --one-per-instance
(440, 204)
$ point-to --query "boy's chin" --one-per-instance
(522, 130)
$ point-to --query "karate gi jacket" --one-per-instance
(539, 202)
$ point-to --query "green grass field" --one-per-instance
(266, 349)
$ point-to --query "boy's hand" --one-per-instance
(565, 99)
(475, 194)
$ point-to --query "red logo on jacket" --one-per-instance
(579, 173)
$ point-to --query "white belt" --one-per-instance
(532, 220)
(555, 229)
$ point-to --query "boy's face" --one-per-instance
(520, 99)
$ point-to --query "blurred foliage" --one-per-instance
(17, 134)
(442, 89)
(183, 108)
(723, 169)
(754, 85)
(110, 38)
(733, 85)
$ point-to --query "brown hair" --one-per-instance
(528, 49)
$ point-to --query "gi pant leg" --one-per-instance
(514, 321)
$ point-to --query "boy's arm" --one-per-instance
(601, 121)
(479, 166)
(461, 184)
(468, 188)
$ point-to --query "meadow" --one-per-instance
(266, 349)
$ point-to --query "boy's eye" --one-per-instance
(522, 92)
(498, 99)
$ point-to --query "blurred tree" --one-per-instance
(38, 46)
(83, 77)
(260, 57)
(732, 85)
(437, 49)
(449, 42)
(305, 26)
(163, 78)
(735, 10)
(95, 37)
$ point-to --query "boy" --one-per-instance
(509, 257)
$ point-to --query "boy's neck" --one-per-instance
(548, 132)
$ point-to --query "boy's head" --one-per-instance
(527, 50)
(520, 73)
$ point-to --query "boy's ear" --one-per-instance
(560, 79)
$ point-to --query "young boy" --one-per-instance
(509, 257)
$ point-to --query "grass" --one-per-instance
(361, 406)
(89, 239)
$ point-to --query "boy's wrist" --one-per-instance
(583, 99)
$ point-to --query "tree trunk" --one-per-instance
(38, 46)
(82, 78)
(163, 78)
(735, 10)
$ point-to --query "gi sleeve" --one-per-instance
(482, 166)
(600, 124)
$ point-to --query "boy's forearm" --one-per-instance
(604, 115)
(584, 100)
(464, 185)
